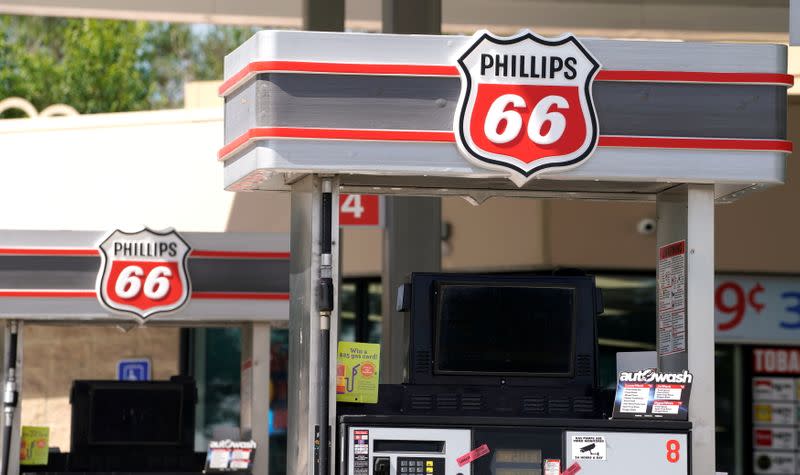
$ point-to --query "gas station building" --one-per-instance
(68, 181)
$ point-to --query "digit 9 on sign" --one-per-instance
(730, 299)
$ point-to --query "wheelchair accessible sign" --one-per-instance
(138, 369)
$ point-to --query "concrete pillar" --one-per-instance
(687, 214)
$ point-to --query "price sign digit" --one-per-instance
(793, 309)
(730, 300)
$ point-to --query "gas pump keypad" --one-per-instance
(420, 465)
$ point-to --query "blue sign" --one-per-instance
(133, 370)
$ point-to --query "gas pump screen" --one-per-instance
(503, 329)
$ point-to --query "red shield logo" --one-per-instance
(143, 273)
(526, 104)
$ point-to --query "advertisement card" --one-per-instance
(650, 394)
(230, 456)
(34, 445)
(357, 373)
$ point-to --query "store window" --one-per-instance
(217, 356)
(217, 361)
(629, 324)
(360, 314)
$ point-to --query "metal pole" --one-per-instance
(10, 395)
(326, 292)
(309, 379)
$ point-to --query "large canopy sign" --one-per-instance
(526, 103)
(524, 114)
(143, 272)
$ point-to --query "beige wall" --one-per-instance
(54, 356)
(500, 234)
(755, 234)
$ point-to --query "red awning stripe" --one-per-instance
(240, 254)
(33, 293)
(436, 70)
(437, 136)
(241, 295)
(26, 251)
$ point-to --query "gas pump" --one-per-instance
(684, 125)
(502, 378)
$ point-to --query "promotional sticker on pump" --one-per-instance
(143, 273)
(651, 394)
(526, 103)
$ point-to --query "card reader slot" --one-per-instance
(415, 446)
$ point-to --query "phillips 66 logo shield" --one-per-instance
(526, 103)
(143, 273)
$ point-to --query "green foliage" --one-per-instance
(108, 65)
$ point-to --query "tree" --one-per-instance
(108, 65)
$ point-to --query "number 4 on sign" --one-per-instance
(352, 204)
(360, 210)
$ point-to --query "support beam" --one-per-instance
(412, 16)
(412, 239)
(305, 420)
(687, 214)
(412, 243)
(739, 20)
(255, 382)
(323, 15)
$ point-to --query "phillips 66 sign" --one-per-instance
(526, 103)
(144, 272)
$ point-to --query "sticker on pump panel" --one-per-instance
(143, 272)
(588, 447)
(526, 103)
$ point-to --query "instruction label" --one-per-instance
(357, 376)
(588, 447)
(672, 298)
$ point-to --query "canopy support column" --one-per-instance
(687, 214)
(13, 456)
(305, 357)
(412, 239)
(255, 383)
